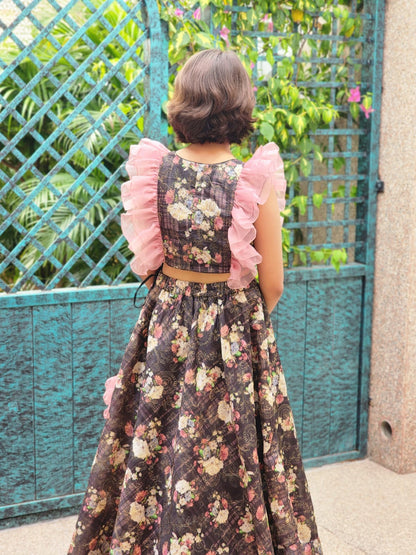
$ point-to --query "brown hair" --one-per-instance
(213, 99)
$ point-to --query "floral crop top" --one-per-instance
(195, 216)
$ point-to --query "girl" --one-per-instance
(199, 454)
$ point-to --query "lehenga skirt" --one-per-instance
(199, 454)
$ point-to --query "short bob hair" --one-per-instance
(213, 99)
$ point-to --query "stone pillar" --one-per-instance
(392, 418)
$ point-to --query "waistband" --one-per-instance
(193, 288)
(187, 275)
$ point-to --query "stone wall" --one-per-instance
(392, 421)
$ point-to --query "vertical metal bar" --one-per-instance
(373, 50)
(347, 170)
(331, 137)
(156, 86)
(311, 187)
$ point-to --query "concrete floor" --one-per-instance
(360, 507)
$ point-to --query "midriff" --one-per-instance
(188, 275)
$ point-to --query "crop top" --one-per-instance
(196, 216)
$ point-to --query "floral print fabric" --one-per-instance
(199, 455)
(194, 205)
(206, 212)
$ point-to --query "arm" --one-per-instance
(268, 243)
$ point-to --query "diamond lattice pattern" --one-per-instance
(72, 84)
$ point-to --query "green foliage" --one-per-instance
(278, 43)
(65, 218)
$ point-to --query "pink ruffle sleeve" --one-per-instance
(110, 385)
(259, 176)
(140, 223)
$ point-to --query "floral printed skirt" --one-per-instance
(199, 454)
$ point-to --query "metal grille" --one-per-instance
(80, 81)
(339, 183)
(75, 82)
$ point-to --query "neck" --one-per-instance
(207, 152)
(209, 146)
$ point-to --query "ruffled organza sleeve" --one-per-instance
(110, 386)
(140, 223)
(259, 176)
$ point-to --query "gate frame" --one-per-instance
(156, 128)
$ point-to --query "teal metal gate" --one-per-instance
(105, 66)
(66, 312)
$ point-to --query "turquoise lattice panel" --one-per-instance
(80, 81)
(322, 59)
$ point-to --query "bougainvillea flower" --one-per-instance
(367, 111)
(178, 12)
(197, 14)
(268, 19)
(355, 95)
(224, 35)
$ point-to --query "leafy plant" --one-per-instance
(286, 49)
(305, 83)
(71, 131)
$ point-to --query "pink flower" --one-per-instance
(268, 19)
(189, 375)
(224, 35)
(252, 65)
(178, 12)
(218, 223)
(260, 512)
(223, 452)
(224, 331)
(141, 495)
(157, 331)
(169, 196)
(355, 95)
(367, 111)
(197, 14)
(110, 385)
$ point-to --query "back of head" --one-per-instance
(213, 99)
